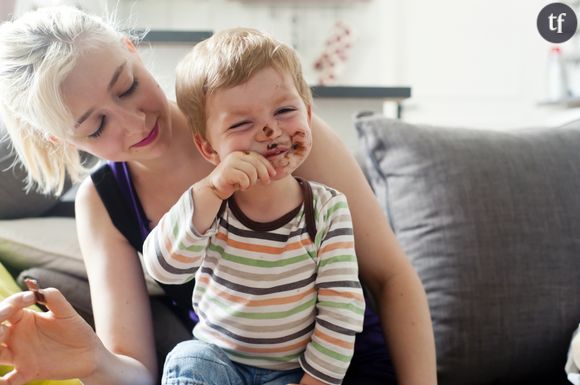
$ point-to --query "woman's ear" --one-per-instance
(205, 149)
(129, 44)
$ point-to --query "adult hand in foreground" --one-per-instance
(57, 344)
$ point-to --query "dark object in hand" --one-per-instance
(32, 285)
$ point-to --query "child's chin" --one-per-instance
(281, 173)
(286, 166)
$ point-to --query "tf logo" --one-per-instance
(557, 22)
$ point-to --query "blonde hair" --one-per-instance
(37, 52)
(227, 59)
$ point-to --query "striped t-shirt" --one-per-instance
(265, 293)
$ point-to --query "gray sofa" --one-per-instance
(491, 222)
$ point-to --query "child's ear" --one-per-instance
(205, 149)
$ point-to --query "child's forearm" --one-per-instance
(207, 204)
(178, 234)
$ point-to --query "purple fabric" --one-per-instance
(125, 183)
(371, 363)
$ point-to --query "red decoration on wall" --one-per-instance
(331, 61)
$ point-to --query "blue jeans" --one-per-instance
(198, 363)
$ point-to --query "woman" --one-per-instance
(70, 82)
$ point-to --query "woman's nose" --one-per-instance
(132, 120)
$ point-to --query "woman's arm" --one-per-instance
(383, 266)
(59, 344)
(119, 296)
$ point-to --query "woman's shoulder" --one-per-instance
(87, 195)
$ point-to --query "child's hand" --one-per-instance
(239, 170)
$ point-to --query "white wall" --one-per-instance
(472, 63)
(475, 63)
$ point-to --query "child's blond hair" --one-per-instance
(227, 59)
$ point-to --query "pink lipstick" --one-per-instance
(149, 138)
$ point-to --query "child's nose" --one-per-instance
(268, 132)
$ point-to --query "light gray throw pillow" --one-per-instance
(491, 222)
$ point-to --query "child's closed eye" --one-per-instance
(239, 124)
(285, 110)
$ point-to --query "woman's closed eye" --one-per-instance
(103, 120)
(130, 90)
(99, 130)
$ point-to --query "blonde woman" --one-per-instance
(70, 82)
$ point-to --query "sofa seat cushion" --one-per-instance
(48, 242)
(491, 222)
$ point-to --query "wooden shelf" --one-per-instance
(173, 36)
(567, 102)
(361, 92)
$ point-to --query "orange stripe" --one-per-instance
(333, 340)
(261, 248)
(175, 256)
(343, 294)
(337, 245)
(202, 279)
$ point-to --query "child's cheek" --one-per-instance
(301, 143)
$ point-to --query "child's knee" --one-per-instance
(195, 362)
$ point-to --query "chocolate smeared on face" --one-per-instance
(268, 131)
(298, 143)
(296, 149)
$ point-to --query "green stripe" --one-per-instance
(258, 262)
(332, 209)
(316, 214)
(330, 353)
(344, 306)
(337, 259)
(175, 226)
(181, 247)
(248, 315)
(192, 248)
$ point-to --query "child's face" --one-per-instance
(266, 115)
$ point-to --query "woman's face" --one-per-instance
(120, 112)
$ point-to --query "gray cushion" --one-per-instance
(14, 201)
(491, 222)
